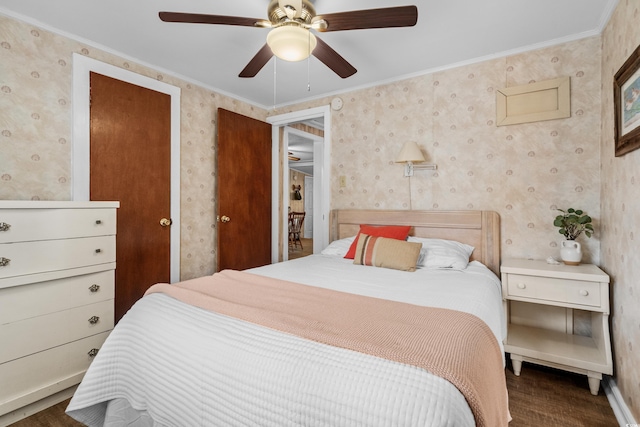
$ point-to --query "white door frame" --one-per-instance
(318, 142)
(80, 160)
(308, 227)
(321, 181)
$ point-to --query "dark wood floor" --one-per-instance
(544, 397)
(539, 397)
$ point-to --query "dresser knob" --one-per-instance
(521, 286)
(584, 292)
(98, 251)
(4, 261)
(93, 352)
(98, 221)
(4, 226)
(94, 288)
(94, 319)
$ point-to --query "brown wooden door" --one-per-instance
(131, 162)
(244, 191)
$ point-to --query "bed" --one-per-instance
(318, 341)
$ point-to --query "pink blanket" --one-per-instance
(454, 345)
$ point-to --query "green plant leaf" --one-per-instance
(573, 222)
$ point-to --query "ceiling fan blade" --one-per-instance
(333, 60)
(199, 18)
(402, 16)
(257, 62)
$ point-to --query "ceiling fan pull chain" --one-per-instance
(275, 81)
(309, 64)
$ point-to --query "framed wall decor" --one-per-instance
(626, 96)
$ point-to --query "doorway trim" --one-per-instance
(80, 156)
(318, 142)
(321, 173)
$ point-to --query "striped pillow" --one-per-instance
(387, 253)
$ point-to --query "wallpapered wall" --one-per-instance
(524, 172)
(621, 210)
(35, 131)
(296, 178)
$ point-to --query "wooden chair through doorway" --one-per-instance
(296, 219)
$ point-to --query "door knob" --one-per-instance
(224, 218)
(165, 222)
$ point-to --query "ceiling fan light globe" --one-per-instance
(291, 43)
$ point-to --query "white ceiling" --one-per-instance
(448, 33)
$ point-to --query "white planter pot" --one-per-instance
(570, 252)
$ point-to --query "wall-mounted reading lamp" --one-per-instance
(411, 154)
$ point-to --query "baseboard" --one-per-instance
(40, 405)
(620, 408)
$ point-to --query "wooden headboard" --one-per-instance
(480, 229)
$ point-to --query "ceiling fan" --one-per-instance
(290, 37)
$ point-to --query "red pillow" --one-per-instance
(399, 232)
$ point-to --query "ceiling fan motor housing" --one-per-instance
(278, 15)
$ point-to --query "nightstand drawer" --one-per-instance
(555, 290)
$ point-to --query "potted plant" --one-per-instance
(572, 223)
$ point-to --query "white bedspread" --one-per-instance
(168, 363)
(475, 290)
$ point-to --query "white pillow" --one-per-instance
(440, 253)
(338, 247)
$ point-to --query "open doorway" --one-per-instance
(301, 138)
(281, 182)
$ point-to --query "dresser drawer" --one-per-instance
(37, 299)
(43, 332)
(51, 255)
(554, 290)
(45, 373)
(24, 225)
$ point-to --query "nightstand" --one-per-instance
(552, 293)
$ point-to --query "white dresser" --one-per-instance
(57, 285)
(541, 329)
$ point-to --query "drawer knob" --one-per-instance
(98, 251)
(521, 286)
(4, 226)
(584, 292)
(98, 221)
(94, 319)
(94, 288)
(93, 352)
(4, 261)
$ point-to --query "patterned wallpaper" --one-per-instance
(524, 172)
(296, 178)
(35, 131)
(621, 210)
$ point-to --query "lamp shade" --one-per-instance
(291, 43)
(410, 153)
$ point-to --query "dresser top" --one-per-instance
(55, 204)
(586, 272)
